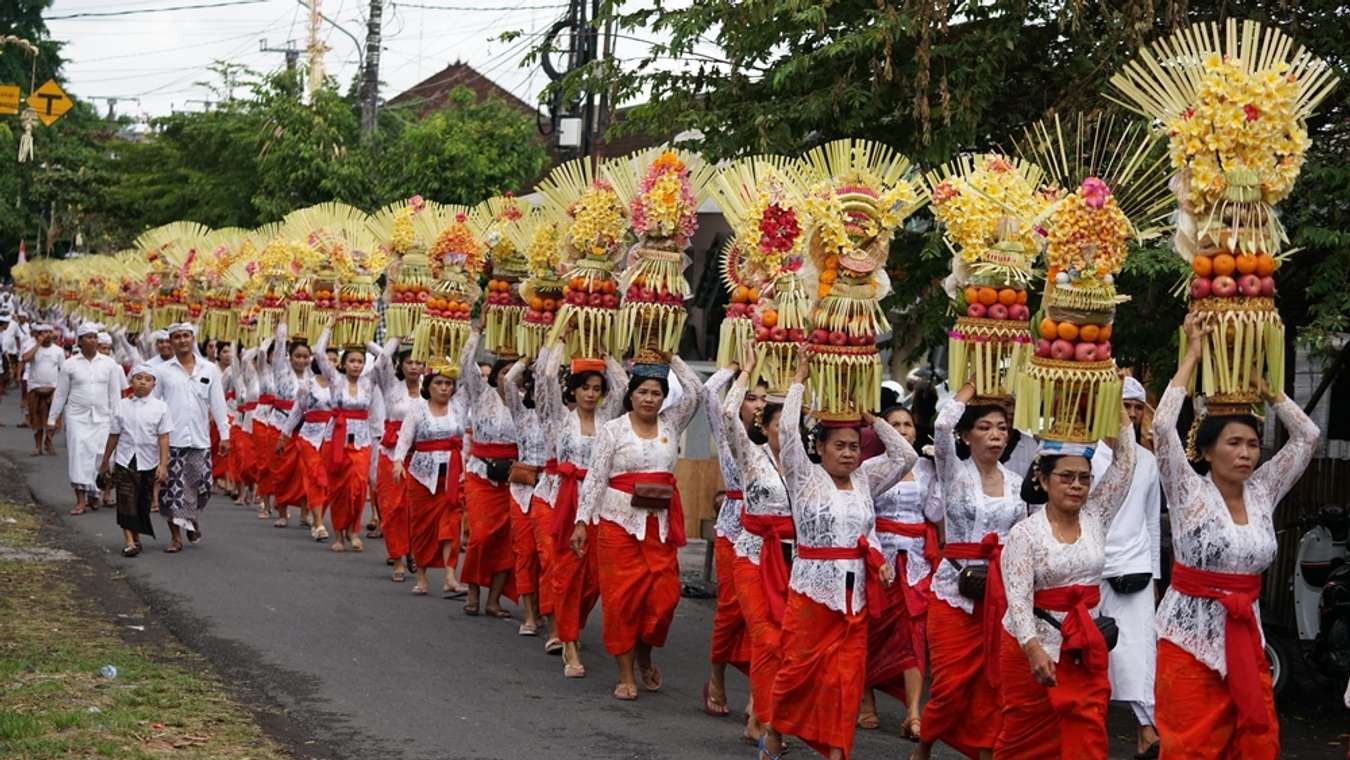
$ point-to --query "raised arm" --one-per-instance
(796, 464)
(470, 381)
(281, 356)
(548, 400)
(944, 440)
(132, 353)
(1284, 469)
(1106, 498)
(612, 406)
(515, 401)
(885, 471)
(712, 406)
(1173, 469)
(729, 416)
(683, 411)
(385, 377)
(321, 357)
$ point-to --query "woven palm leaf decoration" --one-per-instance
(405, 242)
(223, 265)
(343, 286)
(856, 195)
(1234, 102)
(170, 250)
(131, 270)
(455, 257)
(504, 306)
(1108, 176)
(593, 233)
(542, 290)
(988, 205)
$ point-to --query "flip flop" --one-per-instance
(173, 548)
(763, 750)
(649, 676)
(622, 692)
(910, 729)
(399, 576)
(77, 511)
(130, 551)
(472, 611)
(869, 721)
(710, 709)
(553, 646)
(499, 614)
(453, 594)
(527, 630)
(419, 590)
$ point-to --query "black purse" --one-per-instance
(499, 470)
(1130, 583)
(970, 580)
(1105, 623)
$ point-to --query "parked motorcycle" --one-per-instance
(1321, 601)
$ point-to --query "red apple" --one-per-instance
(1268, 287)
(548, 317)
(975, 310)
(1061, 349)
(1043, 348)
(1103, 350)
(596, 300)
(1085, 352)
(838, 338)
(1250, 285)
(646, 294)
(1200, 288)
(1225, 286)
(997, 311)
(778, 334)
(761, 334)
(796, 335)
(610, 301)
(820, 336)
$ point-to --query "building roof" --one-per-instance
(433, 93)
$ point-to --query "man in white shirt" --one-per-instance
(138, 443)
(87, 392)
(9, 347)
(43, 359)
(194, 391)
(1132, 568)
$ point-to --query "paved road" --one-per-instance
(362, 669)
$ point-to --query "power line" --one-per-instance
(134, 11)
(423, 6)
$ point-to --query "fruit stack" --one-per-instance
(1235, 110)
(404, 241)
(739, 325)
(537, 235)
(1068, 341)
(357, 315)
(311, 316)
(857, 198)
(785, 315)
(987, 205)
(408, 295)
(456, 257)
(504, 307)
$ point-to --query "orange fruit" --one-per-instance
(1224, 265)
(1049, 330)
(754, 295)
(536, 303)
(830, 275)
(831, 262)
(740, 295)
(822, 291)
(1007, 296)
(972, 294)
(769, 318)
(577, 283)
(1067, 331)
(608, 286)
(988, 296)
(1022, 297)
(1203, 266)
(1089, 333)
(1105, 333)
(1246, 263)
(550, 304)
(1265, 265)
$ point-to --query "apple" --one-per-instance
(1103, 350)
(761, 334)
(595, 299)
(1085, 352)
(975, 310)
(734, 310)
(610, 301)
(1200, 288)
(548, 317)
(820, 336)
(1043, 348)
(1019, 312)
(1061, 349)
(646, 294)
(838, 338)
(796, 334)
(997, 311)
(1250, 285)
(1225, 286)
(778, 334)
(1268, 287)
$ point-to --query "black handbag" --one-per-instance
(970, 579)
(1105, 623)
(498, 470)
(1130, 583)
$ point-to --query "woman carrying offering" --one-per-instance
(838, 571)
(592, 386)
(489, 560)
(530, 567)
(311, 411)
(1053, 658)
(244, 381)
(1213, 681)
(631, 496)
(432, 432)
(265, 431)
(292, 367)
(399, 377)
(348, 440)
(980, 503)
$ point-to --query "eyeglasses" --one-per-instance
(1068, 478)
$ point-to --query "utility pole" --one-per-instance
(315, 50)
(113, 100)
(290, 50)
(370, 76)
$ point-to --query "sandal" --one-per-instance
(419, 589)
(130, 551)
(472, 610)
(337, 547)
(500, 614)
(320, 533)
(77, 511)
(574, 670)
(626, 692)
(764, 750)
(280, 523)
(194, 536)
(357, 546)
(527, 630)
(553, 646)
(869, 721)
(712, 708)
(910, 729)
(173, 548)
(399, 576)
(651, 678)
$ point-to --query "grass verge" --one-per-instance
(55, 703)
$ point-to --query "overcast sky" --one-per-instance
(160, 57)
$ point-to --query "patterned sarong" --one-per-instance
(188, 488)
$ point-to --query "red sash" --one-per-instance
(390, 438)
(248, 406)
(494, 450)
(267, 399)
(230, 395)
(565, 503)
(318, 415)
(284, 404)
(772, 565)
(995, 603)
(925, 530)
(1080, 633)
(735, 495)
(455, 471)
(1241, 633)
(862, 550)
(337, 452)
(625, 481)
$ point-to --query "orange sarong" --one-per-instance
(432, 521)
(1197, 717)
(730, 641)
(963, 707)
(820, 679)
(576, 586)
(265, 459)
(309, 482)
(489, 510)
(347, 483)
(393, 501)
(766, 651)
(541, 525)
(288, 473)
(639, 585)
(1066, 721)
(522, 546)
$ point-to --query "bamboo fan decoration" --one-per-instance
(504, 307)
(457, 258)
(542, 291)
(592, 224)
(222, 297)
(339, 236)
(857, 197)
(169, 250)
(663, 189)
(277, 266)
(1235, 103)
(404, 233)
(130, 270)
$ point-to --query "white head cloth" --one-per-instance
(1133, 390)
(104, 339)
(159, 335)
(87, 328)
(178, 327)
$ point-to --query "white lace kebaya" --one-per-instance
(765, 487)
(828, 517)
(728, 524)
(1034, 560)
(342, 399)
(1204, 535)
(533, 444)
(490, 420)
(419, 424)
(562, 426)
(903, 502)
(398, 401)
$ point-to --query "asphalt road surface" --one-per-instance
(339, 662)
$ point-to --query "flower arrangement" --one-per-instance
(599, 222)
(666, 206)
(458, 245)
(499, 219)
(977, 195)
(1087, 236)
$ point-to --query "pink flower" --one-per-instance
(1094, 192)
(1251, 111)
(417, 203)
(944, 192)
(251, 267)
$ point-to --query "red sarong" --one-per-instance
(242, 456)
(890, 638)
(963, 707)
(1066, 721)
(773, 567)
(393, 499)
(639, 585)
(289, 474)
(625, 482)
(433, 520)
(266, 461)
(565, 504)
(522, 547)
(820, 679)
(1197, 716)
(1243, 653)
(765, 634)
(541, 528)
(995, 603)
(220, 465)
(347, 485)
(313, 474)
(576, 584)
(489, 510)
(730, 642)
(338, 448)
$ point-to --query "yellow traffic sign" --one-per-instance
(9, 98)
(50, 102)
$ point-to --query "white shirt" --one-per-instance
(9, 338)
(87, 390)
(1133, 541)
(45, 366)
(193, 400)
(138, 424)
